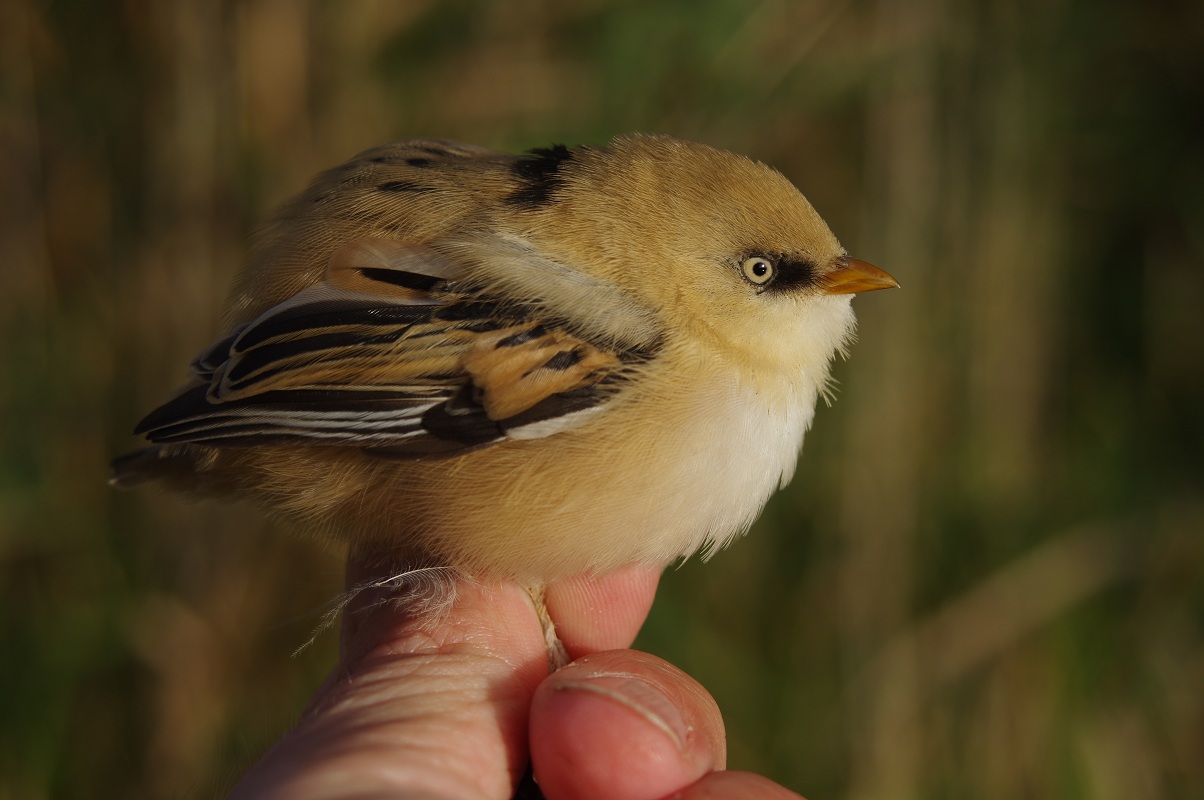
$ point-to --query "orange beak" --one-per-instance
(853, 275)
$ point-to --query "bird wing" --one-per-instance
(397, 351)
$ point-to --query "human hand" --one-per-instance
(458, 710)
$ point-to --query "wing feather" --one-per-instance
(398, 352)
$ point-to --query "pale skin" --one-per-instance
(457, 710)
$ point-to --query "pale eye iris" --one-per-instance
(758, 270)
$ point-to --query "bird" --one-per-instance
(520, 367)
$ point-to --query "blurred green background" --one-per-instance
(987, 579)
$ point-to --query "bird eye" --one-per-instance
(758, 270)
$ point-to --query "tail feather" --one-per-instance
(171, 463)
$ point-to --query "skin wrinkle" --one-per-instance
(435, 667)
(385, 736)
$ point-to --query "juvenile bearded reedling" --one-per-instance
(521, 367)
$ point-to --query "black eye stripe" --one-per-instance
(796, 272)
(790, 271)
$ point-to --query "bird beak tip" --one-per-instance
(853, 276)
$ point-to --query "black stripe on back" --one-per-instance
(539, 177)
(407, 280)
(321, 315)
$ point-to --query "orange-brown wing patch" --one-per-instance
(516, 368)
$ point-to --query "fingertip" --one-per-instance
(602, 612)
(624, 725)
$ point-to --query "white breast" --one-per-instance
(746, 444)
(686, 479)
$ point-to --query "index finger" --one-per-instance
(602, 612)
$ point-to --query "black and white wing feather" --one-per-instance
(395, 351)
